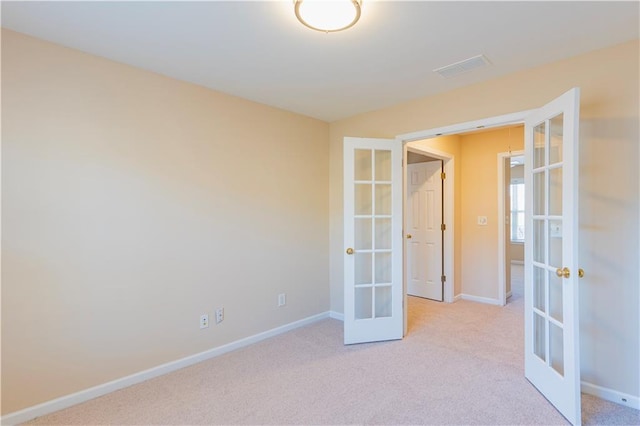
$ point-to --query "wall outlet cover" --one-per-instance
(204, 321)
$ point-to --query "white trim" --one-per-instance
(66, 401)
(405, 295)
(509, 294)
(502, 252)
(457, 297)
(484, 123)
(336, 315)
(502, 249)
(611, 395)
(480, 299)
(430, 152)
(517, 262)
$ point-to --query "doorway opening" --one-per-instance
(511, 224)
(479, 217)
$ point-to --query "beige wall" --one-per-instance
(516, 252)
(131, 204)
(479, 174)
(609, 206)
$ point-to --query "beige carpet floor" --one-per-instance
(461, 363)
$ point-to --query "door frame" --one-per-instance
(404, 139)
(502, 246)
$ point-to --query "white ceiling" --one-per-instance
(258, 51)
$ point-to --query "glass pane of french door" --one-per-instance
(547, 242)
(372, 224)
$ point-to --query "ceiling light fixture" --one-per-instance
(328, 16)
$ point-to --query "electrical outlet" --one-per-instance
(204, 321)
(282, 299)
(219, 315)
(482, 220)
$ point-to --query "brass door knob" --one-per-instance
(564, 272)
(408, 236)
(349, 250)
(581, 273)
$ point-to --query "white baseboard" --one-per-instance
(517, 262)
(480, 299)
(336, 315)
(509, 294)
(611, 395)
(457, 297)
(66, 401)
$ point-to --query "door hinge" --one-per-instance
(443, 227)
(443, 278)
(443, 175)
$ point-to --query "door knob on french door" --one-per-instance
(581, 273)
(409, 236)
(564, 272)
(349, 251)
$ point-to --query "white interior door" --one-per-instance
(372, 240)
(424, 233)
(552, 352)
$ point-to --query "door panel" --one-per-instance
(552, 359)
(373, 240)
(424, 217)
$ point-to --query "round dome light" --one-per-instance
(328, 15)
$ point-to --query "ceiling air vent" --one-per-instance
(463, 66)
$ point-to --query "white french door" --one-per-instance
(552, 361)
(373, 240)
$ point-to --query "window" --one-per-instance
(517, 211)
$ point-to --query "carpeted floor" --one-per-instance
(461, 363)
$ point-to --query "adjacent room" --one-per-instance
(211, 213)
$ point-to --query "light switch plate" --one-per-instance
(482, 220)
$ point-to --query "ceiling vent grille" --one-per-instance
(463, 66)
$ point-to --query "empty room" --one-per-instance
(301, 212)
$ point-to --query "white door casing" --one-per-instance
(552, 357)
(424, 234)
(504, 223)
(373, 273)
